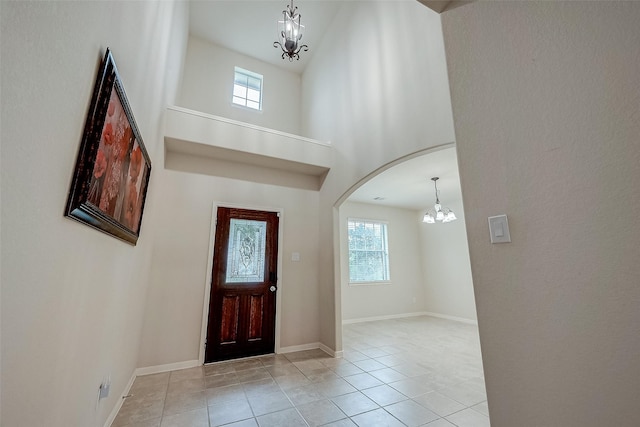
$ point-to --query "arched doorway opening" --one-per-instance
(415, 330)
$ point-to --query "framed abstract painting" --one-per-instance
(111, 175)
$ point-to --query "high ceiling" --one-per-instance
(250, 28)
(238, 24)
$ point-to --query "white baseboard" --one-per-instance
(331, 352)
(166, 368)
(454, 318)
(301, 347)
(146, 371)
(311, 346)
(403, 315)
(120, 402)
(387, 317)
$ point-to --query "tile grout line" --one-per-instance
(360, 339)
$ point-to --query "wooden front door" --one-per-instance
(242, 305)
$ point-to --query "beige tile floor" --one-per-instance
(403, 372)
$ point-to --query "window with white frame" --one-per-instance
(247, 89)
(368, 251)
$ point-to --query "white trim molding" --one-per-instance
(454, 318)
(148, 370)
(301, 347)
(403, 315)
(114, 412)
(311, 346)
(386, 317)
(331, 352)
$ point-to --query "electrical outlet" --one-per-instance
(105, 387)
(104, 390)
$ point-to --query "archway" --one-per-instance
(399, 193)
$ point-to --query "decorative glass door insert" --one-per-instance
(246, 252)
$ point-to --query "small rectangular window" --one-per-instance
(368, 251)
(247, 89)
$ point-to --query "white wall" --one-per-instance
(208, 85)
(173, 319)
(72, 297)
(446, 267)
(176, 297)
(428, 262)
(546, 100)
(377, 88)
(405, 293)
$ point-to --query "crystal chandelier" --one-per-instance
(290, 32)
(438, 212)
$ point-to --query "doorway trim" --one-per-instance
(207, 287)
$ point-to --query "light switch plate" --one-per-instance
(499, 229)
(295, 256)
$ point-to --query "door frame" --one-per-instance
(207, 287)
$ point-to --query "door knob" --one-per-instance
(272, 288)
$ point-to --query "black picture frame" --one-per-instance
(112, 171)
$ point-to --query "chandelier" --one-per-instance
(290, 32)
(438, 212)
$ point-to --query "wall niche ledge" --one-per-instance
(197, 142)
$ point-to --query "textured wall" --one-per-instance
(546, 100)
(207, 86)
(405, 292)
(377, 89)
(176, 296)
(446, 267)
(72, 297)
